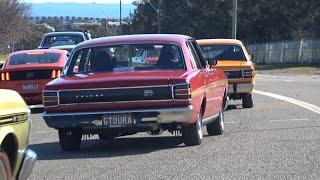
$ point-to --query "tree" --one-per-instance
(13, 20)
(258, 20)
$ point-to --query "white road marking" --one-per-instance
(303, 104)
(287, 120)
(231, 122)
(45, 132)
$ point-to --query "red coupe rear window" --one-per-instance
(34, 58)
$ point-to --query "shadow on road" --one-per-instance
(234, 107)
(37, 110)
(118, 147)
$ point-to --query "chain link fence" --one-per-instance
(305, 51)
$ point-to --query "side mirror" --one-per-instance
(212, 62)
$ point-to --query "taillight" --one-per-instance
(5, 76)
(50, 98)
(248, 73)
(55, 74)
(181, 91)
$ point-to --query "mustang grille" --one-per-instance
(115, 95)
(31, 75)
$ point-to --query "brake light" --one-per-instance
(55, 74)
(248, 73)
(5, 76)
(181, 91)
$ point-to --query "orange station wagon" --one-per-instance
(27, 72)
(235, 61)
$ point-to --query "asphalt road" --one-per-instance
(273, 140)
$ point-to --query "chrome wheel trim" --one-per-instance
(199, 127)
(221, 118)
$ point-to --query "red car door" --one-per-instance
(207, 76)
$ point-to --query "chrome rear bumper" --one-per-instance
(28, 163)
(161, 116)
(240, 88)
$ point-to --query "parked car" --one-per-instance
(102, 92)
(29, 71)
(63, 40)
(234, 59)
(16, 160)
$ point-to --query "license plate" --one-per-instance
(30, 86)
(118, 120)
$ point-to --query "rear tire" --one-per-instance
(192, 134)
(5, 165)
(70, 139)
(217, 126)
(247, 101)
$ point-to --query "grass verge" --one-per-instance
(3, 58)
(310, 69)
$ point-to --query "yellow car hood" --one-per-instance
(11, 102)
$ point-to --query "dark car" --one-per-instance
(58, 39)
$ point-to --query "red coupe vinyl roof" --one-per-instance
(40, 51)
(140, 38)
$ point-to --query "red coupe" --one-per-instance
(105, 92)
(27, 72)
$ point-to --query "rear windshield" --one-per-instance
(43, 58)
(60, 40)
(223, 52)
(127, 57)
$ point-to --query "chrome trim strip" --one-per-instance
(172, 92)
(50, 101)
(28, 163)
(36, 106)
(130, 87)
(121, 102)
(182, 94)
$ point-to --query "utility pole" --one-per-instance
(157, 10)
(234, 19)
(106, 29)
(120, 17)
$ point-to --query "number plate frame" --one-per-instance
(118, 120)
(30, 86)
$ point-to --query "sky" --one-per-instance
(79, 1)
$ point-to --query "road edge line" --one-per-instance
(303, 104)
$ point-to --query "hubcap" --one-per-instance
(199, 128)
(221, 120)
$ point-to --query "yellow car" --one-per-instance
(16, 161)
(235, 61)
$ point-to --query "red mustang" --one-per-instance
(104, 92)
(27, 72)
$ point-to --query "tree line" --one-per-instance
(258, 20)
